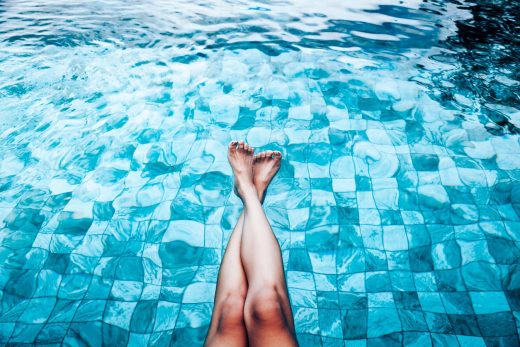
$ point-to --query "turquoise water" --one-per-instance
(397, 206)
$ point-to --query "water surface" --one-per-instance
(397, 207)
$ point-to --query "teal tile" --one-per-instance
(489, 302)
(431, 302)
(382, 321)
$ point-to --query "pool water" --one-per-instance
(397, 206)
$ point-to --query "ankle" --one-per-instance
(249, 195)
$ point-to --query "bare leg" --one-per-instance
(227, 327)
(267, 312)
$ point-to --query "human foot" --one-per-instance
(240, 156)
(265, 167)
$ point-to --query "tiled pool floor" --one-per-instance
(398, 220)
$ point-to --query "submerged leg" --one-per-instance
(267, 311)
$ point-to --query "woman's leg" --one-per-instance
(267, 312)
(227, 327)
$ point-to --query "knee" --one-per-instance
(264, 307)
(231, 311)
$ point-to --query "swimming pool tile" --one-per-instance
(382, 321)
(63, 311)
(25, 333)
(143, 317)
(323, 262)
(446, 255)
(308, 339)
(301, 280)
(375, 260)
(457, 302)
(306, 320)
(354, 323)
(332, 342)
(352, 282)
(322, 238)
(378, 300)
(90, 310)
(496, 324)
(126, 290)
(299, 260)
(474, 251)
(329, 300)
(113, 334)
(350, 260)
(438, 323)
(425, 281)
(198, 292)
(406, 300)
(466, 341)
(372, 236)
(119, 313)
(502, 340)
(394, 237)
(330, 323)
(162, 338)
(416, 339)
(138, 339)
(356, 343)
(391, 217)
(431, 302)
(166, 316)
(398, 261)
(420, 259)
(5, 331)
(503, 251)
(326, 282)
(464, 324)
(47, 283)
(412, 320)
(74, 287)
(377, 281)
(442, 339)
(52, 333)
(450, 280)
(489, 302)
(439, 231)
(37, 311)
(303, 298)
(481, 276)
(369, 216)
(402, 281)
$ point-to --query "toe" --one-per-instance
(269, 154)
(241, 146)
(233, 145)
(277, 154)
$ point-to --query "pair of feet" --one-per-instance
(252, 173)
